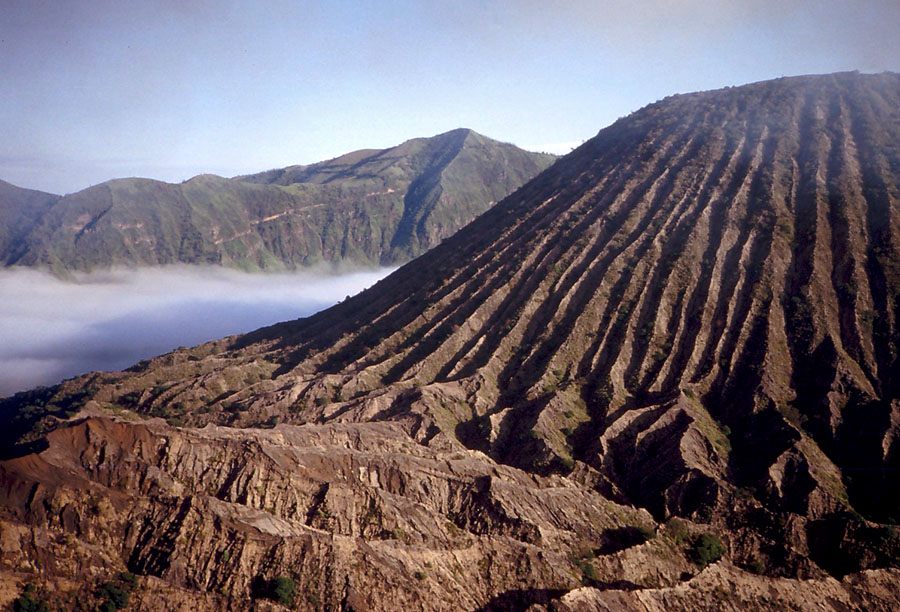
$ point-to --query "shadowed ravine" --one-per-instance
(693, 315)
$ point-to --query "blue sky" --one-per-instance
(98, 89)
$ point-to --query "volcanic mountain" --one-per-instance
(369, 207)
(677, 346)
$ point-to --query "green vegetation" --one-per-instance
(283, 591)
(114, 595)
(589, 575)
(280, 589)
(646, 533)
(130, 400)
(581, 556)
(400, 534)
(349, 206)
(756, 566)
(29, 601)
(793, 414)
(712, 429)
(130, 581)
(677, 531)
(707, 548)
(567, 463)
(160, 389)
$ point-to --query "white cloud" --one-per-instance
(51, 329)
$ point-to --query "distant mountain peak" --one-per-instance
(345, 210)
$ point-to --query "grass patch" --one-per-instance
(707, 548)
(280, 589)
(30, 601)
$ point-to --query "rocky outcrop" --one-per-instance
(339, 509)
(734, 590)
(688, 326)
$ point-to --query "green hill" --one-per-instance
(20, 210)
(371, 207)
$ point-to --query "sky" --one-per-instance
(52, 329)
(167, 89)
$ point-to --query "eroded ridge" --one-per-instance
(690, 323)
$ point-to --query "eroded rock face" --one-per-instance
(723, 588)
(691, 319)
(340, 509)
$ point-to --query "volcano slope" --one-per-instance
(679, 343)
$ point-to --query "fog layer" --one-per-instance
(52, 329)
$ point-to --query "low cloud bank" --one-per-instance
(52, 329)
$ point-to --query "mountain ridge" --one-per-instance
(676, 346)
(300, 220)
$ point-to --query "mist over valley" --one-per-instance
(51, 329)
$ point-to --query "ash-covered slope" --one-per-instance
(693, 315)
(724, 259)
(730, 256)
(365, 208)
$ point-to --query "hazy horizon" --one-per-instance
(52, 329)
(166, 90)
